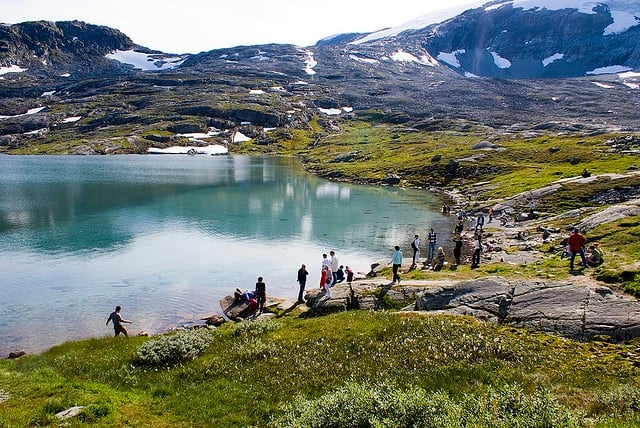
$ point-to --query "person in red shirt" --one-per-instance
(576, 246)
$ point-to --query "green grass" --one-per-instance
(252, 373)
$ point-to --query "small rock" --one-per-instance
(16, 354)
(69, 413)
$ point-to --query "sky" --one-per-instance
(192, 26)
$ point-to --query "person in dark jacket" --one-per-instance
(302, 281)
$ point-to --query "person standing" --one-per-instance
(457, 249)
(261, 293)
(323, 271)
(328, 281)
(432, 238)
(334, 264)
(576, 246)
(480, 221)
(302, 281)
(117, 320)
(396, 261)
(415, 246)
(490, 214)
(477, 249)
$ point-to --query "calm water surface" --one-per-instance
(167, 236)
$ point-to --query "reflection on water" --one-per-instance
(167, 236)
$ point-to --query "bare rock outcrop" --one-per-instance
(569, 309)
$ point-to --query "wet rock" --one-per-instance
(391, 179)
(16, 354)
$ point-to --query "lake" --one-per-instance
(167, 236)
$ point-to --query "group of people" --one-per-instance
(575, 246)
(331, 273)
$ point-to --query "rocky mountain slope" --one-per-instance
(67, 84)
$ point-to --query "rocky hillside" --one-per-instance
(69, 84)
(528, 38)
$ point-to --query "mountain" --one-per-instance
(515, 39)
(521, 66)
(45, 48)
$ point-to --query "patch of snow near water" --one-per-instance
(213, 149)
(144, 61)
(239, 137)
(256, 92)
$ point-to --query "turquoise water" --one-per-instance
(167, 236)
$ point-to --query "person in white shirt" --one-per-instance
(334, 264)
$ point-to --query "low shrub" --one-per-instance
(173, 349)
(364, 405)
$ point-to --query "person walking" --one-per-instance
(415, 246)
(261, 293)
(432, 238)
(334, 264)
(117, 321)
(576, 246)
(396, 261)
(302, 281)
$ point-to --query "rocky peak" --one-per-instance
(533, 38)
(46, 47)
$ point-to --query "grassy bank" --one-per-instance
(299, 371)
(375, 369)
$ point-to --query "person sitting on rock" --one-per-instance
(594, 256)
(440, 258)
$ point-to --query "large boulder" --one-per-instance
(566, 308)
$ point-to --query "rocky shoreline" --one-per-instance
(578, 307)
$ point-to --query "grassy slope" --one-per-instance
(240, 381)
(248, 373)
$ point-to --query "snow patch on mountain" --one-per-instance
(499, 61)
(623, 12)
(612, 69)
(555, 57)
(145, 61)
(11, 69)
(309, 63)
(364, 60)
(402, 56)
(451, 57)
(420, 22)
